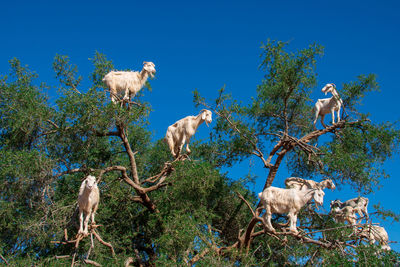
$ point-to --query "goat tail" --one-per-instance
(259, 195)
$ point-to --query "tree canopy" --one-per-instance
(159, 211)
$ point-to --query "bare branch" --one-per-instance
(62, 257)
(79, 237)
(131, 154)
(87, 261)
(198, 257)
(110, 133)
(128, 261)
(4, 259)
(53, 123)
(104, 243)
(247, 203)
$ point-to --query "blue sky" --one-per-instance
(209, 44)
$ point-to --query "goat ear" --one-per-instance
(144, 62)
(203, 116)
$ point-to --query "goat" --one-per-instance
(328, 105)
(300, 183)
(88, 202)
(346, 214)
(290, 201)
(376, 233)
(129, 82)
(181, 131)
(359, 205)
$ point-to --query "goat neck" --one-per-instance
(198, 121)
(307, 195)
(336, 96)
(144, 75)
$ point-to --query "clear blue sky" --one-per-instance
(205, 45)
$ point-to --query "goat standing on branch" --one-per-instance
(290, 201)
(300, 184)
(129, 82)
(181, 131)
(376, 233)
(359, 204)
(328, 105)
(345, 214)
(88, 202)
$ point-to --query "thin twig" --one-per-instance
(62, 257)
(91, 246)
(4, 259)
(79, 237)
(128, 261)
(104, 243)
(246, 202)
(91, 262)
(76, 249)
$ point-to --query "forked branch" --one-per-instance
(76, 242)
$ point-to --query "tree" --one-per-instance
(277, 123)
(155, 210)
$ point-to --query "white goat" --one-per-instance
(346, 214)
(88, 202)
(376, 233)
(129, 82)
(359, 204)
(181, 131)
(328, 105)
(290, 201)
(300, 183)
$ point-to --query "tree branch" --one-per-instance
(131, 154)
(110, 133)
(104, 243)
(4, 259)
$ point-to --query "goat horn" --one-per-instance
(334, 85)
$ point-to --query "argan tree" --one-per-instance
(277, 124)
(158, 211)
